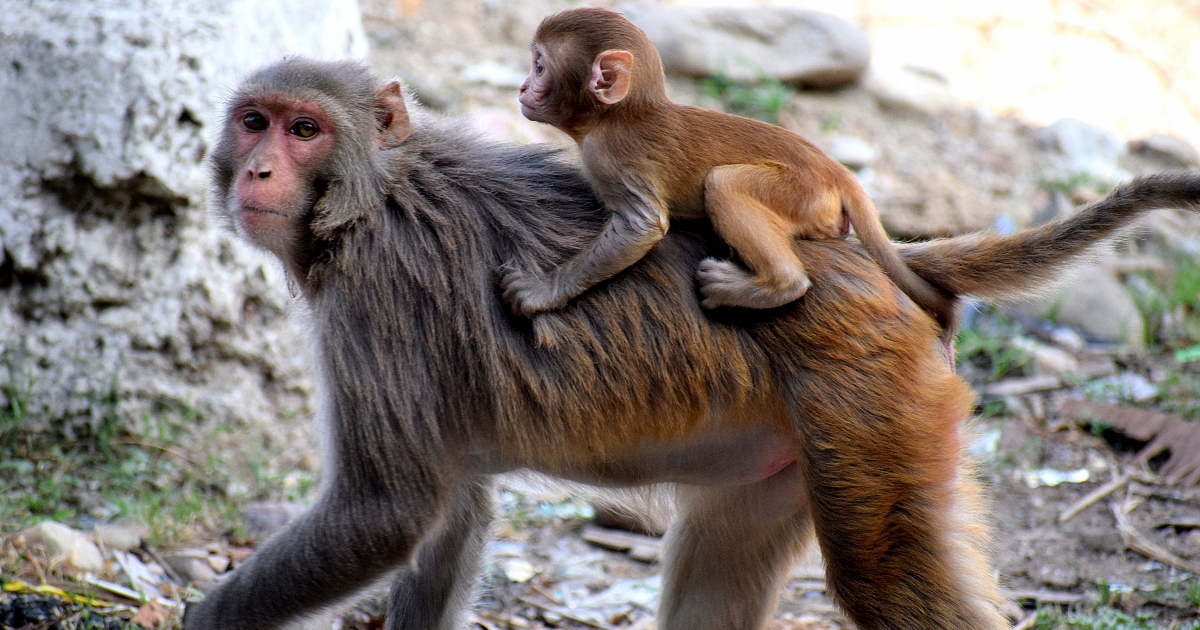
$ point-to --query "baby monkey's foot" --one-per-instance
(723, 283)
(529, 292)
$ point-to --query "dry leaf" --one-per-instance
(239, 554)
(1164, 432)
(151, 615)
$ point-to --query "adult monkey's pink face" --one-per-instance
(280, 141)
(281, 156)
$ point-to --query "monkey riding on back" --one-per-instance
(597, 77)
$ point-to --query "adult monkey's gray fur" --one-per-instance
(836, 414)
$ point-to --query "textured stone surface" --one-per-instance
(113, 278)
(1176, 151)
(120, 536)
(56, 543)
(1087, 150)
(852, 152)
(791, 45)
(1093, 301)
(911, 88)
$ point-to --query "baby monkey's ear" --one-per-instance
(612, 72)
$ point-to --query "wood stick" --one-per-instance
(1135, 541)
(1093, 497)
(566, 614)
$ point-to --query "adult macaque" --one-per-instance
(836, 415)
(598, 77)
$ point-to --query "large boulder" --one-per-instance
(117, 292)
(1085, 150)
(1092, 300)
(790, 45)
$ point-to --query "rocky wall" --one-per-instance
(117, 291)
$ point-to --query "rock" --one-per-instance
(1175, 151)
(58, 543)
(1057, 206)
(262, 519)
(1059, 577)
(930, 203)
(912, 89)
(1013, 437)
(517, 570)
(1094, 302)
(1086, 149)
(1067, 338)
(192, 566)
(122, 537)
(1192, 542)
(220, 564)
(1131, 602)
(1047, 359)
(852, 152)
(1123, 386)
(108, 107)
(790, 45)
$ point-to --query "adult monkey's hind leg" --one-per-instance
(434, 591)
(895, 507)
(729, 552)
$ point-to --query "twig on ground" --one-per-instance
(1049, 597)
(543, 593)
(170, 451)
(1135, 541)
(477, 619)
(115, 589)
(1027, 622)
(566, 614)
(37, 566)
(1018, 386)
(1092, 497)
(170, 571)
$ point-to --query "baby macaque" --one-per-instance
(598, 77)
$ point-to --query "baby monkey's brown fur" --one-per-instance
(597, 77)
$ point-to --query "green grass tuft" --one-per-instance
(762, 99)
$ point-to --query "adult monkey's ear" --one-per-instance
(612, 75)
(392, 115)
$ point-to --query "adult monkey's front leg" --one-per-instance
(348, 539)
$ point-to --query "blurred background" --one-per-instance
(156, 404)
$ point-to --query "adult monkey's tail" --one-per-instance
(989, 265)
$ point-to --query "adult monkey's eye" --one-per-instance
(254, 121)
(303, 129)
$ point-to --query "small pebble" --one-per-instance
(852, 152)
